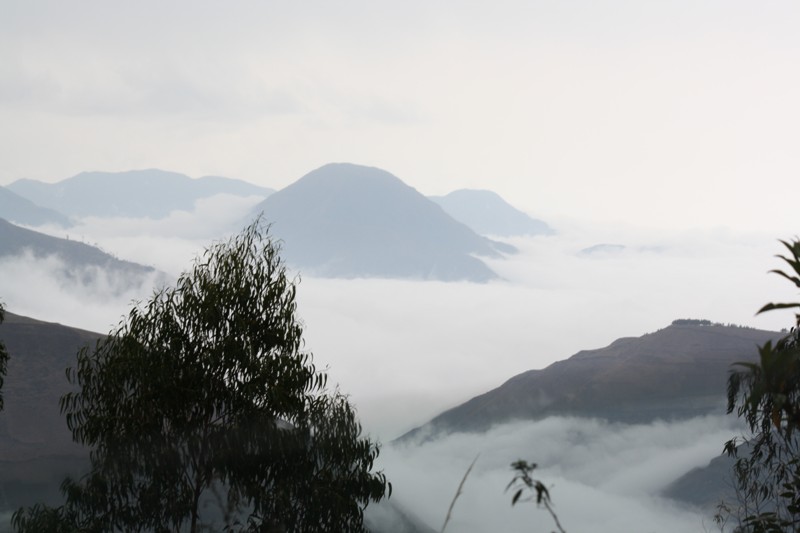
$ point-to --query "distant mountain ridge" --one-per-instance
(677, 372)
(489, 214)
(78, 258)
(346, 220)
(148, 193)
(15, 208)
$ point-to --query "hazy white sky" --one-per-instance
(662, 114)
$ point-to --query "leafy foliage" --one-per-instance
(524, 482)
(692, 322)
(766, 394)
(3, 357)
(202, 412)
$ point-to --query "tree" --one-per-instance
(3, 357)
(766, 394)
(202, 412)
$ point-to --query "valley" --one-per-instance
(412, 352)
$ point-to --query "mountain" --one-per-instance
(677, 372)
(137, 193)
(603, 249)
(15, 208)
(31, 425)
(345, 220)
(488, 214)
(36, 448)
(706, 486)
(78, 258)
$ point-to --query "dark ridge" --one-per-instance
(677, 372)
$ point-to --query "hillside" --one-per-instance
(148, 193)
(31, 425)
(19, 210)
(677, 372)
(349, 221)
(486, 213)
(80, 261)
(36, 448)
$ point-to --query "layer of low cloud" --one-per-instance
(406, 350)
(602, 477)
(168, 244)
(89, 298)
(93, 299)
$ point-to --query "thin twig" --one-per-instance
(458, 493)
(553, 514)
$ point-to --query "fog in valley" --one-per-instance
(405, 350)
(601, 477)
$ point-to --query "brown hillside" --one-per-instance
(31, 425)
(676, 372)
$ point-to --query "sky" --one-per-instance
(662, 114)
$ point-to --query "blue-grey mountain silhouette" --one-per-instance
(81, 261)
(345, 220)
(706, 486)
(137, 193)
(488, 214)
(602, 249)
(19, 210)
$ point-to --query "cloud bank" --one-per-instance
(406, 350)
(602, 477)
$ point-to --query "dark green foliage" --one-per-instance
(40, 518)
(766, 394)
(3, 357)
(524, 483)
(203, 413)
(704, 322)
(691, 322)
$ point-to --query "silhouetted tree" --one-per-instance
(3, 357)
(203, 413)
(766, 394)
